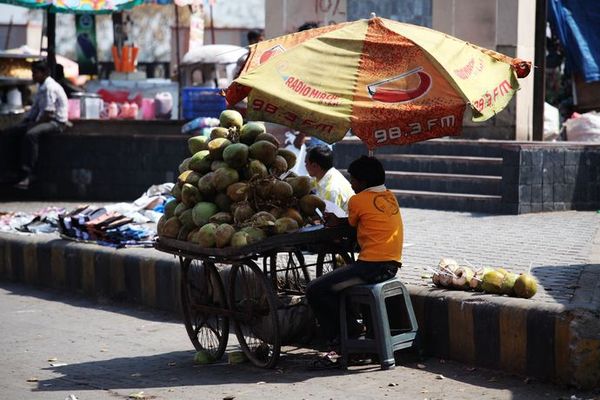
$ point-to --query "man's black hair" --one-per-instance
(308, 25)
(320, 155)
(254, 35)
(368, 170)
(40, 65)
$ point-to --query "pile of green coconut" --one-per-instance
(236, 188)
(489, 280)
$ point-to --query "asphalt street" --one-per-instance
(55, 345)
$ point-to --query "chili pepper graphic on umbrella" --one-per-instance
(385, 92)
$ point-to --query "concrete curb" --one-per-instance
(547, 341)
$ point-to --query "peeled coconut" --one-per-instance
(231, 118)
(217, 146)
(250, 131)
(242, 213)
(206, 185)
(309, 203)
(190, 194)
(462, 277)
(219, 132)
(293, 214)
(239, 239)
(256, 168)
(269, 138)
(196, 144)
(492, 282)
(290, 157)
(185, 165)
(263, 151)
(236, 155)
(279, 166)
(281, 190)
(171, 227)
(237, 191)
(285, 225)
(477, 280)
(206, 235)
(221, 218)
(223, 235)
(444, 262)
(263, 218)
(301, 185)
(188, 176)
(223, 177)
(525, 286)
(170, 208)
(200, 162)
(203, 211)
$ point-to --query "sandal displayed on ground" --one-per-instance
(328, 361)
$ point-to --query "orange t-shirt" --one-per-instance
(379, 230)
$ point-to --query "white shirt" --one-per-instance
(51, 97)
(334, 187)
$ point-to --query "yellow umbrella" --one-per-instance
(388, 82)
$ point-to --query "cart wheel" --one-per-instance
(254, 307)
(287, 271)
(204, 304)
(327, 262)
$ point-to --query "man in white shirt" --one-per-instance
(330, 184)
(48, 114)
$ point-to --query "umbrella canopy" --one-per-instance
(388, 82)
(77, 6)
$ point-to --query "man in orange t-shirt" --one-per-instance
(375, 213)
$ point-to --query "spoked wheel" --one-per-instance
(287, 271)
(204, 304)
(327, 262)
(254, 309)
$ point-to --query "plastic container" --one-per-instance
(163, 105)
(202, 102)
(74, 110)
(147, 109)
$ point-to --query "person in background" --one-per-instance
(254, 36)
(67, 85)
(375, 214)
(48, 114)
(330, 184)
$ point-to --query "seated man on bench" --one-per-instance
(375, 213)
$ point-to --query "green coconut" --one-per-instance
(170, 208)
(176, 191)
(219, 132)
(160, 224)
(254, 234)
(477, 280)
(203, 357)
(206, 235)
(223, 235)
(231, 118)
(191, 237)
(171, 227)
(508, 283)
(203, 211)
(279, 166)
(242, 213)
(236, 155)
(188, 176)
(185, 165)
(200, 162)
(217, 146)
(221, 218)
(190, 194)
(269, 138)
(222, 201)
(309, 203)
(206, 185)
(301, 185)
(290, 157)
(293, 214)
(525, 286)
(239, 239)
(184, 232)
(197, 143)
(264, 190)
(186, 218)
(492, 282)
(250, 131)
(263, 151)
(281, 190)
(256, 168)
(285, 225)
(215, 165)
(223, 177)
(181, 207)
(237, 191)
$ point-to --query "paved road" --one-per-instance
(557, 245)
(109, 352)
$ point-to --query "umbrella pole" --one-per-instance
(178, 59)
(51, 36)
(212, 25)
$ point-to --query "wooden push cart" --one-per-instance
(246, 295)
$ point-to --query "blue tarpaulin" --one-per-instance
(577, 25)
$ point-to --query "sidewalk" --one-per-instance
(554, 336)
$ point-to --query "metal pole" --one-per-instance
(539, 72)
(212, 25)
(51, 35)
(8, 32)
(178, 59)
